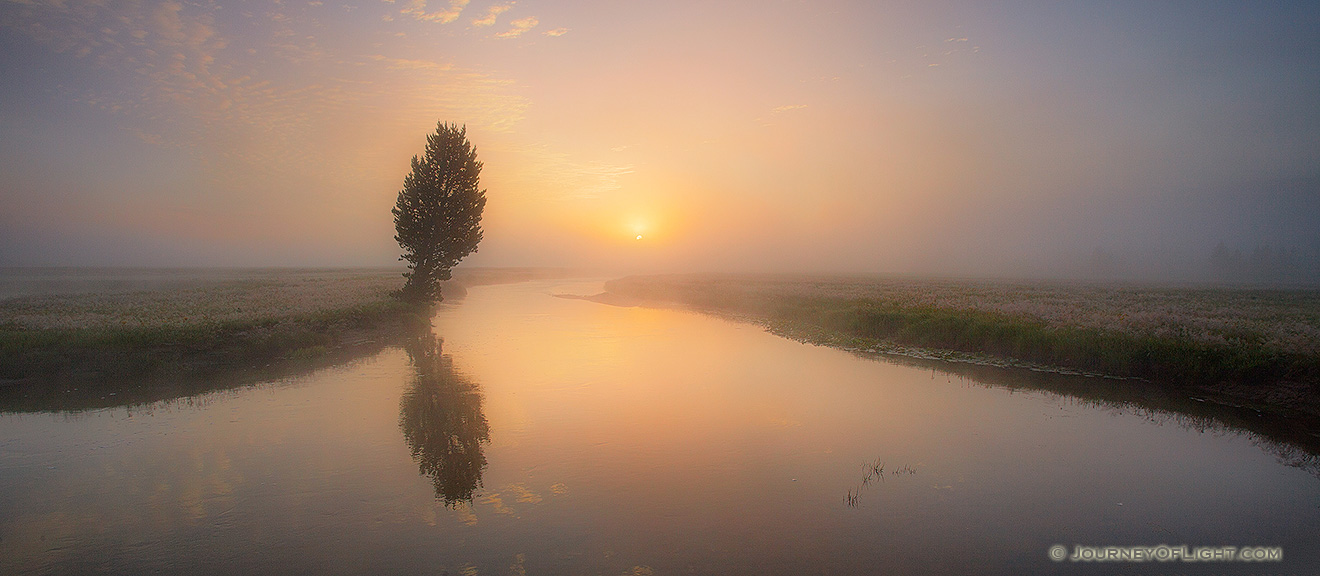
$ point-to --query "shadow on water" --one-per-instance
(443, 423)
(1294, 441)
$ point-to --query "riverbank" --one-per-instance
(1246, 348)
(89, 339)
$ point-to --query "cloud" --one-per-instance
(788, 107)
(491, 14)
(518, 27)
(556, 32)
(407, 64)
(417, 9)
(558, 176)
(167, 22)
(178, 85)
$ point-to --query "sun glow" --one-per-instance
(637, 226)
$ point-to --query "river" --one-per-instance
(543, 435)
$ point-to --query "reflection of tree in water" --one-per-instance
(442, 422)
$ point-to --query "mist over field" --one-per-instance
(762, 287)
(1178, 141)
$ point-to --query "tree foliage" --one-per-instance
(437, 217)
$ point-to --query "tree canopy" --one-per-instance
(437, 217)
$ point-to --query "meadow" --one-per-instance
(78, 338)
(1258, 348)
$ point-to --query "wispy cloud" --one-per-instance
(181, 85)
(492, 13)
(602, 178)
(558, 176)
(519, 27)
(787, 107)
(417, 9)
(556, 32)
(409, 64)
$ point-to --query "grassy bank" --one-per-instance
(118, 342)
(192, 348)
(1255, 348)
(89, 338)
(76, 369)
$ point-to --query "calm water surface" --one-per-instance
(556, 436)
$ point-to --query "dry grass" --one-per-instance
(255, 296)
(106, 328)
(1283, 320)
(1258, 348)
(82, 299)
(101, 325)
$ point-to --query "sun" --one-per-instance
(638, 227)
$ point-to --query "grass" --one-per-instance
(73, 339)
(146, 351)
(1253, 347)
(1170, 359)
(78, 339)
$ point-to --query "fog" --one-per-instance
(1179, 142)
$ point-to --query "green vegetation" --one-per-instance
(437, 216)
(88, 338)
(1197, 345)
(146, 352)
(201, 324)
(1164, 358)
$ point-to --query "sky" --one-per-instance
(1147, 140)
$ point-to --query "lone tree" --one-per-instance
(437, 218)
